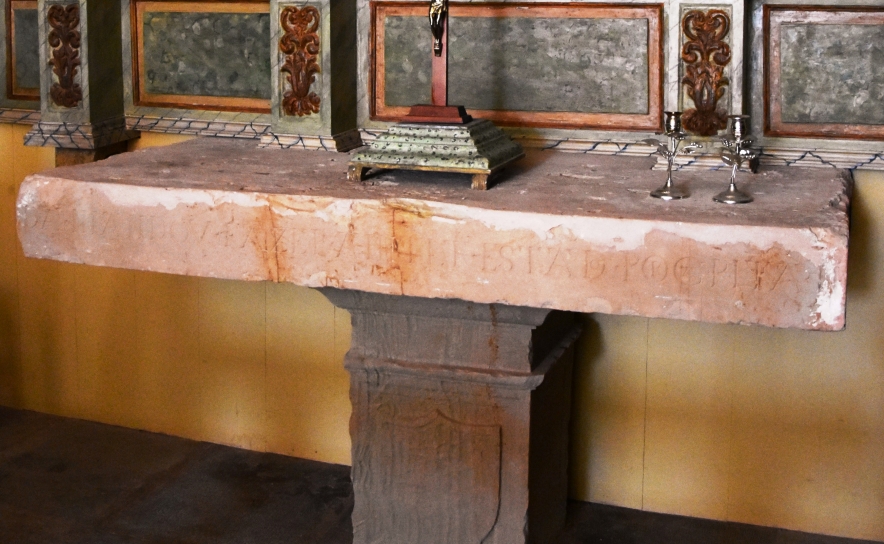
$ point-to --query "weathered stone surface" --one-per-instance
(459, 443)
(562, 231)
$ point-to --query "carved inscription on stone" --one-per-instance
(389, 248)
(386, 257)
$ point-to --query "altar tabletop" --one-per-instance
(565, 231)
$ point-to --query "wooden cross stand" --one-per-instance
(437, 137)
(439, 111)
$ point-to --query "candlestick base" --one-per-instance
(478, 148)
(670, 192)
(732, 196)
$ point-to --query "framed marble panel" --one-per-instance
(526, 64)
(196, 55)
(22, 50)
(824, 71)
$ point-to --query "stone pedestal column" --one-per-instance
(460, 419)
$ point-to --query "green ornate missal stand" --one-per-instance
(439, 137)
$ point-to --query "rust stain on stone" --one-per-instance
(412, 208)
(404, 251)
(268, 239)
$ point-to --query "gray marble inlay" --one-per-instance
(407, 66)
(27, 52)
(832, 73)
(207, 54)
(525, 64)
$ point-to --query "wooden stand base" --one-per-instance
(477, 148)
(443, 115)
(460, 419)
(357, 172)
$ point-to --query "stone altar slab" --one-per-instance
(560, 231)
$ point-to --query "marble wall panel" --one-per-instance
(19, 62)
(183, 118)
(832, 73)
(527, 65)
(524, 64)
(602, 66)
(201, 55)
(207, 54)
(818, 74)
(24, 53)
(407, 55)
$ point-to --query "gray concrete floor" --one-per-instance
(71, 481)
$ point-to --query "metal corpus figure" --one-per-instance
(438, 13)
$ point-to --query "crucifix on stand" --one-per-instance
(438, 137)
(439, 111)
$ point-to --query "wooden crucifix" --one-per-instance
(439, 111)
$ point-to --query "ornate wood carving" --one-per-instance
(64, 39)
(300, 44)
(705, 55)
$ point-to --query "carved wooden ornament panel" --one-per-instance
(705, 54)
(300, 44)
(64, 39)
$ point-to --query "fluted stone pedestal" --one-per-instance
(460, 419)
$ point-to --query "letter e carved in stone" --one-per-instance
(300, 44)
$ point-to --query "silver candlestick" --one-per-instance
(672, 124)
(736, 150)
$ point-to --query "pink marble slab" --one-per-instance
(565, 231)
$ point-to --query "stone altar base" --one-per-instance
(460, 419)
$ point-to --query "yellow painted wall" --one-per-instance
(756, 425)
(744, 423)
(256, 365)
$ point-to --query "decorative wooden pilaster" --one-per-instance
(81, 80)
(313, 73)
